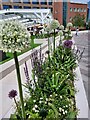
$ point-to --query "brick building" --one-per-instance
(27, 4)
(76, 9)
(65, 11)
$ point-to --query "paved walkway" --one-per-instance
(83, 41)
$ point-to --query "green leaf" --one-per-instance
(71, 115)
(13, 116)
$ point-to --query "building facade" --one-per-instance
(66, 11)
(75, 9)
(63, 10)
(27, 4)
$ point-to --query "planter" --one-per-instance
(78, 85)
(80, 97)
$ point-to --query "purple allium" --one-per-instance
(12, 94)
(68, 44)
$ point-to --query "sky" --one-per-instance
(82, 1)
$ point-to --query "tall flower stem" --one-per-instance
(16, 104)
(54, 55)
(54, 42)
(19, 84)
(48, 48)
(60, 41)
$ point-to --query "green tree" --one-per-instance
(78, 20)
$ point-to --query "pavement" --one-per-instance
(83, 41)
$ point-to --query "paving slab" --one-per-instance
(83, 41)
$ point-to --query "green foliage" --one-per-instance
(10, 55)
(53, 98)
(79, 20)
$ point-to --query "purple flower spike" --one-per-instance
(68, 44)
(12, 94)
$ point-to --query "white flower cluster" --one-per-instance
(69, 24)
(54, 24)
(48, 29)
(61, 27)
(13, 36)
(61, 33)
(35, 109)
(63, 111)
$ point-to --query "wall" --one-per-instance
(58, 11)
(76, 5)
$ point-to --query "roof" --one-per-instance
(24, 10)
(73, 2)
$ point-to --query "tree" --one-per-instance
(78, 20)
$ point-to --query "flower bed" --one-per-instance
(51, 98)
(50, 91)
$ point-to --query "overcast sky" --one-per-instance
(82, 1)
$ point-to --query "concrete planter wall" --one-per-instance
(80, 97)
(8, 81)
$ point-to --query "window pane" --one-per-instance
(5, 0)
(16, 7)
(6, 6)
(35, 2)
(84, 10)
(50, 2)
(75, 9)
(26, 1)
(16, 0)
(70, 9)
(26, 7)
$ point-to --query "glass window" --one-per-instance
(35, 2)
(50, 2)
(26, 7)
(16, 7)
(26, 1)
(44, 2)
(70, 9)
(6, 6)
(78, 9)
(16, 0)
(85, 10)
(43, 8)
(35, 7)
(5, 0)
(75, 10)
